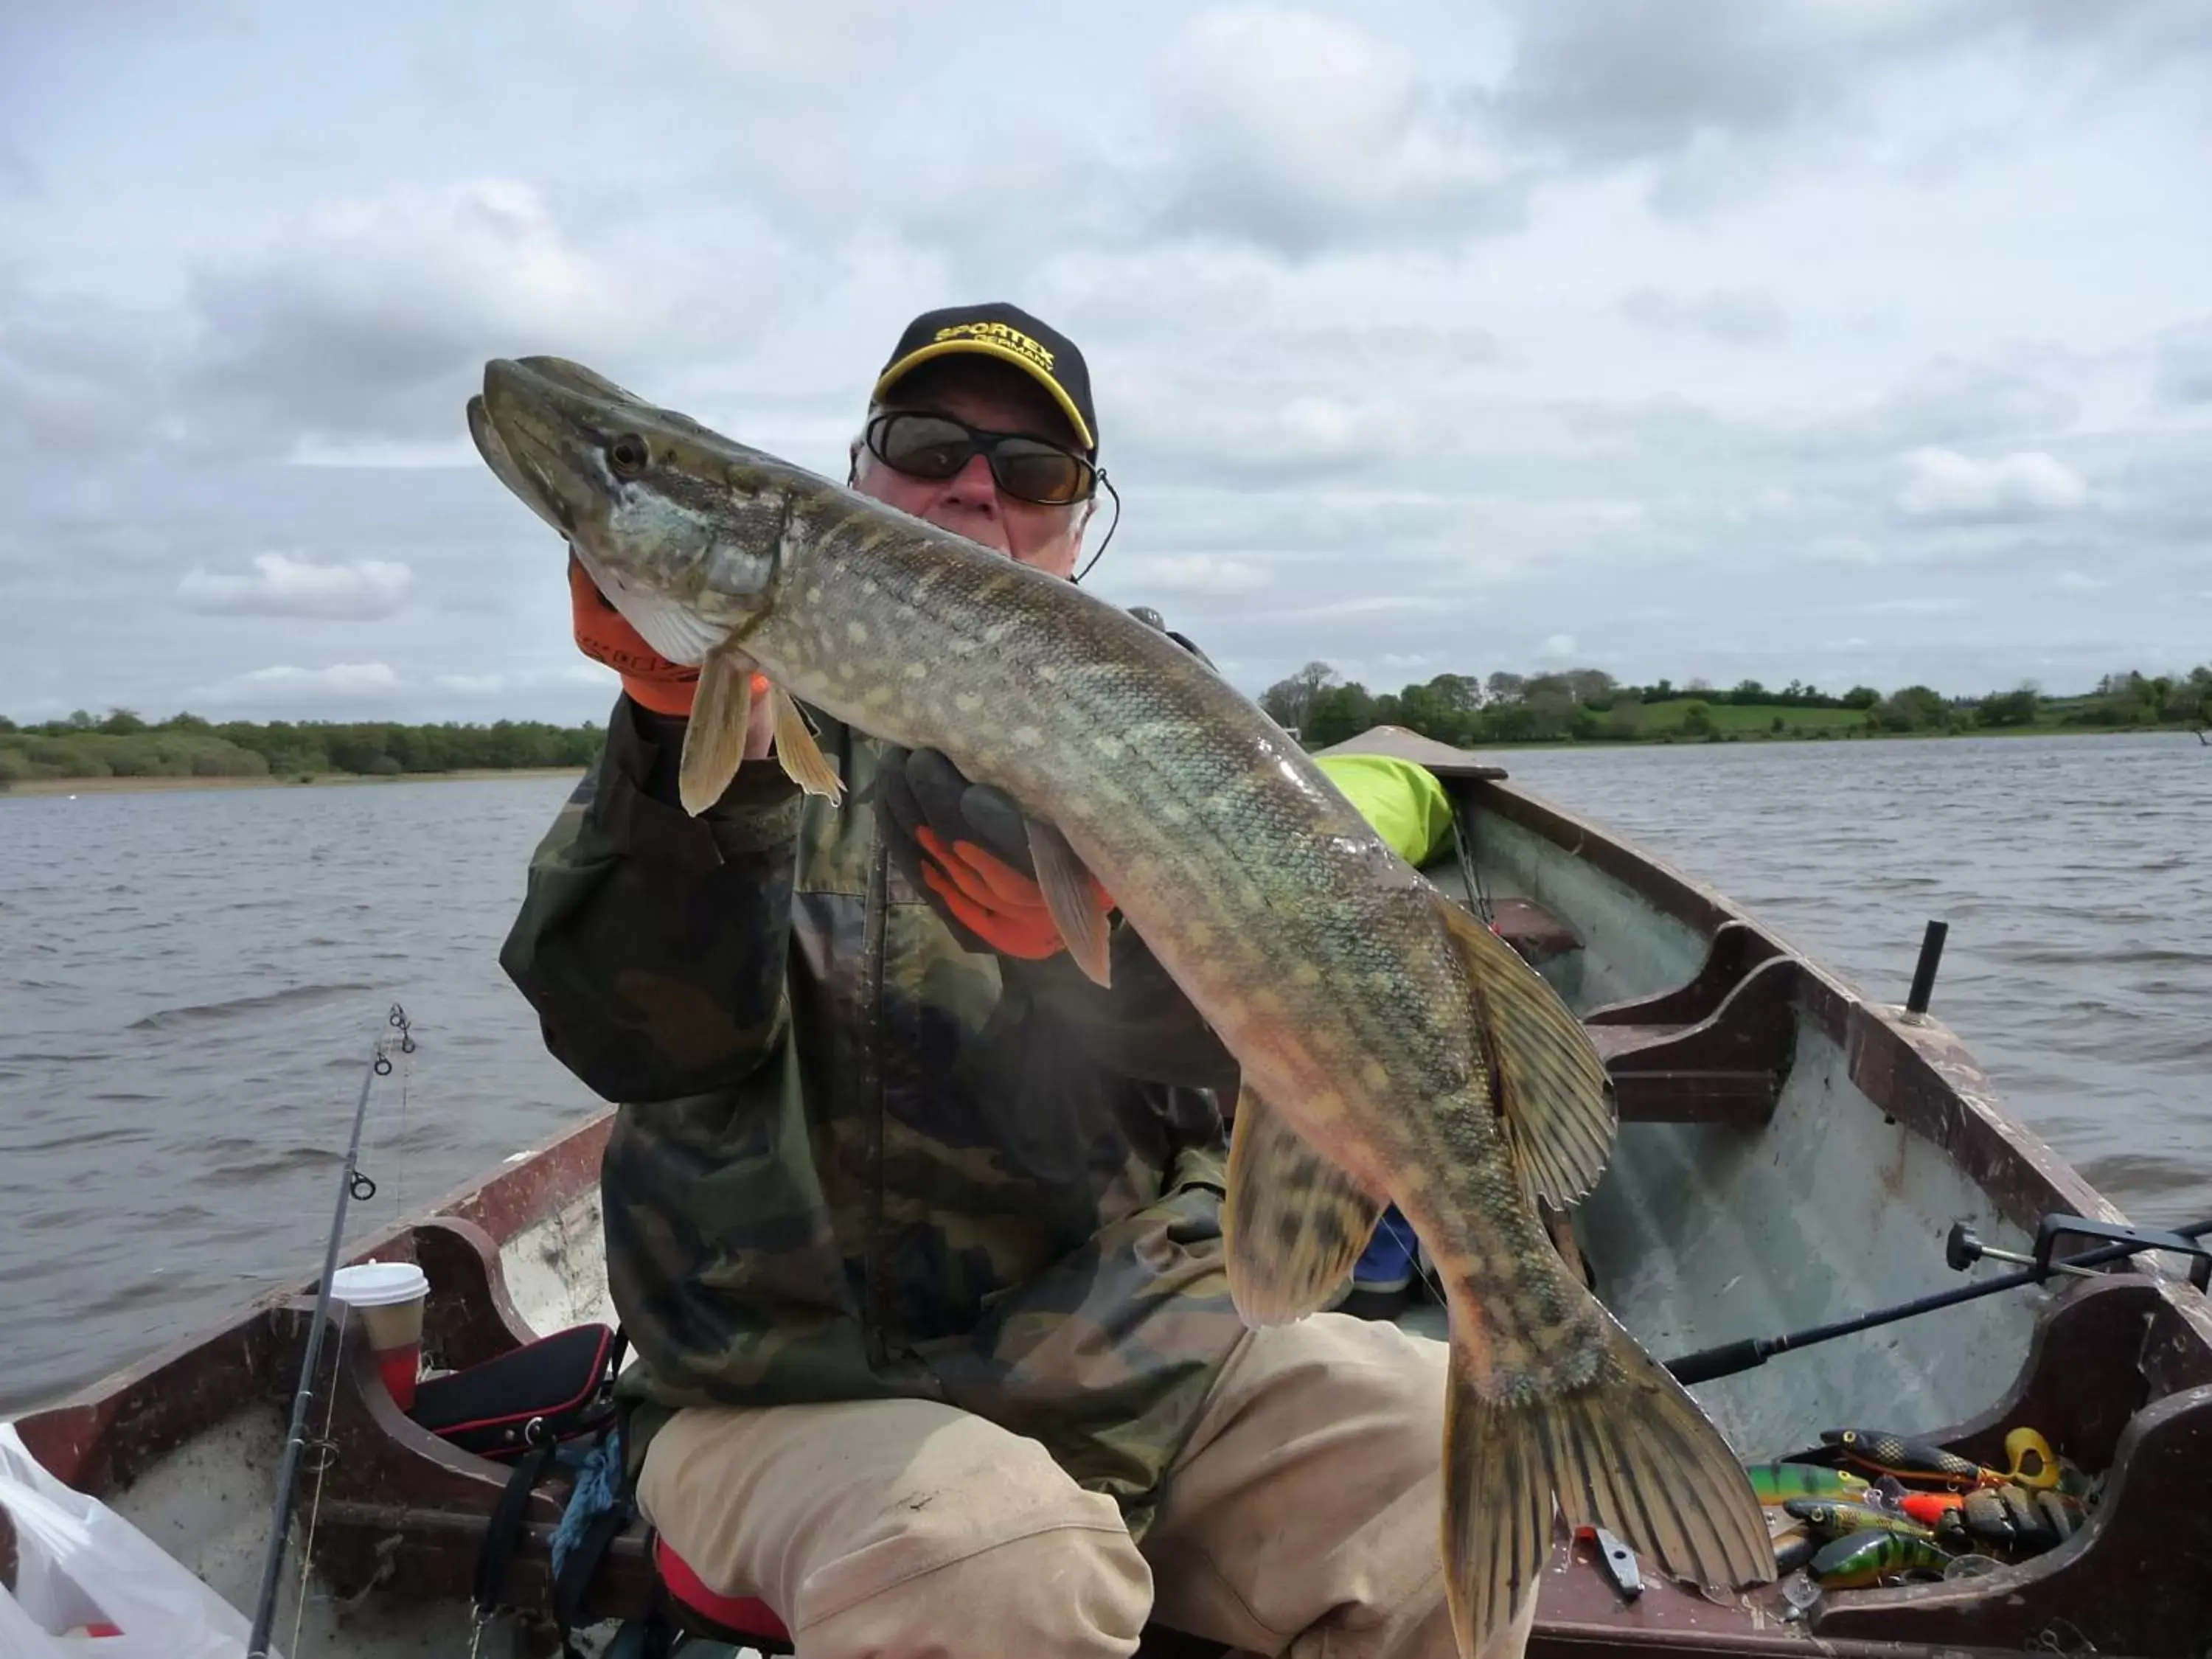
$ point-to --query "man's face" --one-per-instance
(997, 398)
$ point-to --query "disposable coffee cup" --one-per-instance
(388, 1296)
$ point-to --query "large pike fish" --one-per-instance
(1392, 1047)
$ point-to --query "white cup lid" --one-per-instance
(380, 1284)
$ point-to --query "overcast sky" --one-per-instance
(1853, 340)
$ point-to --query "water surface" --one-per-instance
(190, 981)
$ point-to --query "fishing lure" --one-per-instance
(1834, 1520)
(2014, 1518)
(2063, 1511)
(1860, 1558)
(1908, 1459)
(1793, 1549)
(1928, 1508)
(1984, 1519)
(2034, 1464)
(1778, 1483)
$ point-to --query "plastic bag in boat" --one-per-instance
(80, 1564)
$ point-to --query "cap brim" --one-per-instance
(914, 359)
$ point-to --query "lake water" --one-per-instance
(190, 983)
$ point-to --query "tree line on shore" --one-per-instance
(1589, 705)
(1578, 704)
(121, 744)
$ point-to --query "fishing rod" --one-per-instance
(1963, 1250)
(352, 1185)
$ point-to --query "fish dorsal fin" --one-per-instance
(801, 756)
(1074, 898)
(1295, 1223)
(1552, 1088)
(714, 739)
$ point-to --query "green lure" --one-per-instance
(1833, 1520)
(1859, 1558)
(1778, 1483)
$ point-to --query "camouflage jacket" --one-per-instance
(853, 1161)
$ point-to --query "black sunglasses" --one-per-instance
(937, 446)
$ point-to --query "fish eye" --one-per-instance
(627, 455)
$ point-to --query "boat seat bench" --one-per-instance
(1713, 1050)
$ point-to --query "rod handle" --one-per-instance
(1726, 1360)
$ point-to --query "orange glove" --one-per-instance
(603, 634)
(965, 846)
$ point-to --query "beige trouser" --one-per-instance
(1302, 1518)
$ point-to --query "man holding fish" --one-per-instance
(914, 1207)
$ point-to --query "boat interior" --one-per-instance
(1790, 1153)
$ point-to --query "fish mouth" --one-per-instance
(528, 422)
(497, 456)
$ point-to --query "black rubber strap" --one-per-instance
(583, 1565)
(504, 1530)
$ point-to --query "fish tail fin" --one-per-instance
(1629, 1450)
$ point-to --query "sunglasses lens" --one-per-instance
(937, 446)
(1038, 473)
(923, 446)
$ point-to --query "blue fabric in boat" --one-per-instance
(598, 1479)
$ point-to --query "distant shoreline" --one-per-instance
(26, 786)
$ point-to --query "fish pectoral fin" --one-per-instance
(714, 739)
(1294, 1222)
(1074, 898)
(669, 626)
(801, 756)
(1555, 1092)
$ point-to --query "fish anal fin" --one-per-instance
(1552, 1087)
(1074, 899)
(714, 737)
(1295, 1222)
(801, 758)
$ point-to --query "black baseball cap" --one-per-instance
(1011, 335)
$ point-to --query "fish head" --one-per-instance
(680, 528)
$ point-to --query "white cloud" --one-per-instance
(2077, 582)
(360, 590)
(1559, 648)
(1299, 132)
(361, 331)
(502, 683)
(1846, 551)
(2184, 366)
(1946, 487)
(1733, 316)
(1190, 574)
(284, 684)
(376, 454)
